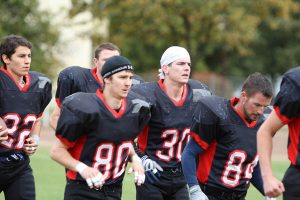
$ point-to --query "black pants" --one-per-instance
(79, 190)
(171, 186)
(16, 180)
(291, 181)
(214, 193)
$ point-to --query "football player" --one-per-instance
(95, 134)
(78, 79)
(23, 97)
(173, 99)
(223, 140)
(286, 111)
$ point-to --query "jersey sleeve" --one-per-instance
(46, 84)
(65, 87)
(204, 126)
(70, 126)
(287, 101)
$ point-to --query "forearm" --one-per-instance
(137, 150)
(188, 162)
(54, 117)
(59, 153)
(264, 142)
(256, 180)
(36, 128)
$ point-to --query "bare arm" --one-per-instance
(272, 186)
(32, 142)
(137, 167)
(59, 152)
(3, 130)
(54, 117)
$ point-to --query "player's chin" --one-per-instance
(124, 94)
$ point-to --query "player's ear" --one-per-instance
(243, 96)
(165, 69)
(5, 58)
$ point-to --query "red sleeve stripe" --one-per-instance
(65, 141)
(205, 163)
(143, 139)
(76, 153)
(283, 118)
(197, 138)
(58, 102)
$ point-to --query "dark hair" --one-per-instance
(107, 46)
(258, 83)
(10, 43)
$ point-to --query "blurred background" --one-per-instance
(227, 40)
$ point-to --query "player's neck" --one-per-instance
(240, 108)
(18, 79)
(113, 102)
(98, 75)
(173, 89)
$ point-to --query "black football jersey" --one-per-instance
(229, 141)
(20, 107)
(287, 108)
(167, 132)
(78, 79)
(99, 136)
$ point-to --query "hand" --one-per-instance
(273, 187)
(93, 177)
(3, 133)
(31, 144)
(196, 193)
(138, 169)
(152, 169)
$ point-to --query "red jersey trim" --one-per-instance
(65, 141)
(283, 118)
(94, 73)
(76, 153)
(199, 141)
(183, 97)
(143, 139)
(116, 114)
(27, 79)
(233, 101)
(58, 102)
(205, 162)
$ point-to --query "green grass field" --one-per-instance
(50, 178)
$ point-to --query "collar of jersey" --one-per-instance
(94, 73)
(27, 77)
(183, 97)
(116, 114)
(233, 101)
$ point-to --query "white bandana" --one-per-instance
(170, 55)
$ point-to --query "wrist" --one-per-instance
(80, 167)
(144, 157)
(35, 138)
(135, 158)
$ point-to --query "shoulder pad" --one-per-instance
(267, 112)
(43, 80)
(199, 90)
(136, 79)
(138, 104)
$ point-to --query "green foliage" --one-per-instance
(22, 17)
(231, 37)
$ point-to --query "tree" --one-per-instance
(22, 17)
(223, 36)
